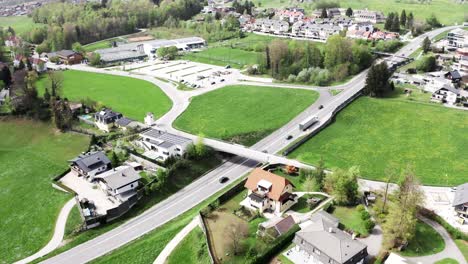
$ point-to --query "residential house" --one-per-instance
(120, 183)
(13, 41)
(38, 64)
(454, 76)
(323, 242)
(290, 15)
(272, 26)
(106, 118)
(90, 164)
(124, 123)
(460, 202)
(462, 65)
(457, 38)
(268, 192)
(446, 94)
(276, 227)
(362, 26)
(368, 16)
(331, 12)
(68, 57)
(160, 145)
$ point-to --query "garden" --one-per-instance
(243, 114)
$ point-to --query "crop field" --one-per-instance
(373, 133)
(243, 114)
(132, 97)
(31, 155)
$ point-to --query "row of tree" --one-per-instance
(68, 23)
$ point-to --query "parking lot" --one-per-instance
(192, 74)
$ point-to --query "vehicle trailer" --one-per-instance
(308, 122)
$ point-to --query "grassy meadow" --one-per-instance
(243, 114)
(223, 56)
(132, 97)
(31, 155)
(373, 133)
(426, 241)
(192, 248)
(21, 24)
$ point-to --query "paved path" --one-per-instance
(58, 233)
(161, 259)
(451, 250)
(373, 241)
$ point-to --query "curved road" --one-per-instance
(208, 185)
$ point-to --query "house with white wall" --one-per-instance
(120, 183)
(268, 192)
(446, 94)
(160, 145)
(106, 119)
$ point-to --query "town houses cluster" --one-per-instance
(293, 22)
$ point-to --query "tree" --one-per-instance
(61, 114)
(343, 185)
(401, 220)
(319, 173)
(395, 23)
(389, 21)
(168, 52)
(349, 12)
(278, 50)
(433, 21)
(310, 184)
(391, 174)
(427, 64)
(410, 21)
(78, 48)
(324, 13)
(236, 233)
(377, 80)
(46, 95)
(55, 82)
(95, 59)
(114, 160)
(426, 45)
(403, 18)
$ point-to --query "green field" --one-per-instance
(132, 97)
(192, 249)
(426, 241)
(31, 154)
(21, 24)
(371, 133)
(223, 56)
(243, 114)
(447, 261)
(463, 246)
(447, 11)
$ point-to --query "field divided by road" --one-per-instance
(31, 154)
(243, 114)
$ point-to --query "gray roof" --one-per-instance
(91, 160)
(461, 195)
(450, 88)
(123, 121)
(119, 177)
(336, 244)
(167, 139)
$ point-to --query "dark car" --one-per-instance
(213, 83)
(222, 80)
(320, 107)
(223, 179)
(289, 137)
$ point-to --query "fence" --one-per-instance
(207, 240)
(320, 127)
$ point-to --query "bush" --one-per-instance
(365, 215)
(369, 225)
(360, 208)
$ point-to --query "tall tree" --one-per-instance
(377, 80)
(343, 185)
(396, 23)
(403, 18)
(55, 82)
(389, 21)
(324, 13)
(426, 45)
(410, 21)
(349, 12)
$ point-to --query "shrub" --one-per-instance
(365, 215)
(369, 225)
(360, 208)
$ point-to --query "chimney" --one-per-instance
(330, 229)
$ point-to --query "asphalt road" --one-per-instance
(208, 185)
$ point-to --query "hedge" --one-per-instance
(280, 243)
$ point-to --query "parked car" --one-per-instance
(289, 137)
(228, 66)
(222, 80)
(213, 83)
(320, 107)
(223, 179)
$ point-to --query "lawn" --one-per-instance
(350, 218)
(21, 24)
(243, 114)
(132, 97)
(303, 207)
(192, 249)
(372, 133)
(223, 56)
(426, 241)
(31, 155)
(463, 246)
(447, 261)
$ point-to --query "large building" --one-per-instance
(457, 38)
(323, 242)
(147, 49)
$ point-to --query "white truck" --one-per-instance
(308, 122)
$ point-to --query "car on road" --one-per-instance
(289, 137)
(223, 179)
(222, 80)
(213, 83)
(320, 107)
(228, 67)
